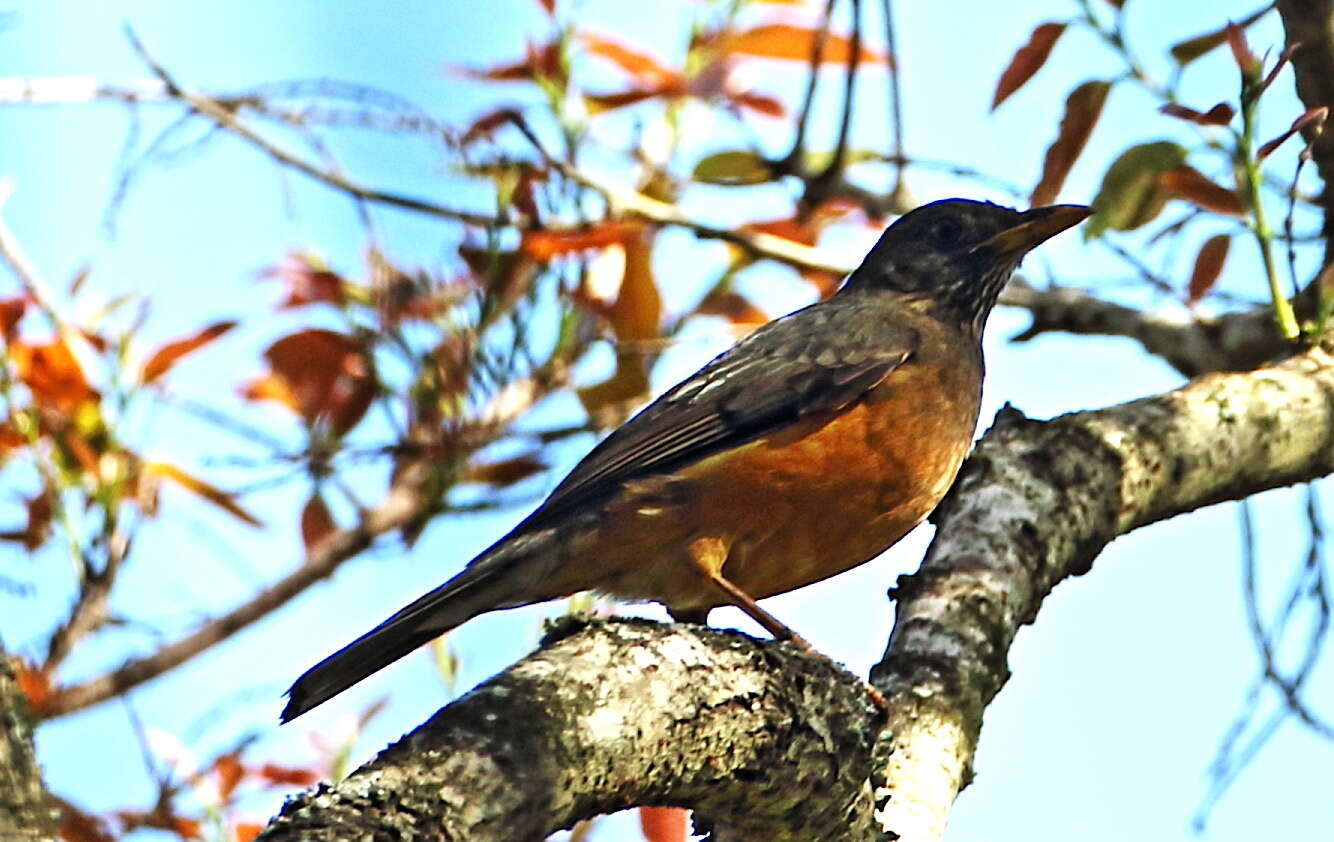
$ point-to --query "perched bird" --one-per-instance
(808, 448)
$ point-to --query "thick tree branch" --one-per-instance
(1310, 23)
(629, 713)
(771, 743)
(1035, 504)
(26, 813)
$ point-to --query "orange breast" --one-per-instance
(812, 501)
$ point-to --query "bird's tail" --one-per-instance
(485, 585)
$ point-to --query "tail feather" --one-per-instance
(481, 587)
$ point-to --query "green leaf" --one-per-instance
(1130, 195)
(734, 167)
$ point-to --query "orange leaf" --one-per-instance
(1082, 109)
(759, 103)
(287, 775)
(230, 772)
(504, 472)
(663, 824)
(197, 486)
(271, 387)
(637, 312)
(1188, 183)
(1208, 266)
(793, 43)
(317, 522)
(53, 375)
(168, 355)
(245, 831)
(34, 684)
(638, 64)
(1027, 61)
(545, 244)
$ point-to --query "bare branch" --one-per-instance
(1191, 344)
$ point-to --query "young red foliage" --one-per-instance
(1027, 61)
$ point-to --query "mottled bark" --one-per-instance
(25, 811)
(771, 744)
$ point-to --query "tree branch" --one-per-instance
(630, 713)
(26, 813)
(1193, 345)
(1310, 24)
(767, 741)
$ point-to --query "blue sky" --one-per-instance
(1121, 690)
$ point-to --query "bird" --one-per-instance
(809, 447)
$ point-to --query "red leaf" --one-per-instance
(793, 43)
(1082, 109)
(168, 355)
(545, 244)
(1315, 118)
(1208, 266)
(663, 824)
(541, 61)
(321, 374)
(599, 103)
(79, 826)
(1027, 61)
(1220, 115)
(1246, 60)
(317, 522)
(11, 312)
(486, 124)
(1190, 184)
(308, 281)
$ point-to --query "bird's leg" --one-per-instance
(709, 555)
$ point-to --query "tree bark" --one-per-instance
(26, 813)
(770, 744)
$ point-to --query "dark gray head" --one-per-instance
(958, 254)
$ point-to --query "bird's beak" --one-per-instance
(1036, 226)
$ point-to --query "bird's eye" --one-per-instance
(946, 231)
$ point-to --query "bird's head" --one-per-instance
(957, 254)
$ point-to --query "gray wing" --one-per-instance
(816, 360)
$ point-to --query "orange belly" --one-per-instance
(832, 492)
